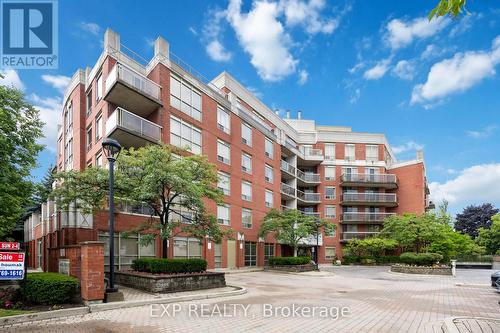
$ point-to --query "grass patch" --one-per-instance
(13, 312)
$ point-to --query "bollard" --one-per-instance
(454, 268)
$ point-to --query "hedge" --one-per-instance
(48, 288)
(287, 261)
(420, 259)
(169, 266)
(380, 260)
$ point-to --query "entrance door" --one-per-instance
(231, 253)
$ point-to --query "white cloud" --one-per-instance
(59, 82)
(217, 52)
(263, 37)
(354, 98)
(193, 31)
(472, 185)
(377, 71)
(11, 79)
(406, 147)
(433, 51)
(357, 67)
(457, 74)
(401, 33)
(303, 76)
(50, 109)
(486, 132)
(91, 27)
(405, 70)
(308, 15)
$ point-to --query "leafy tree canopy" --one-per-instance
(490, 237)
(447, 7)
(474, 217)
(373, 246)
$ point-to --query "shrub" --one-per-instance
(347, 260)
(169, 266)
(48, 288)
(287, 261)
(420, 259)
(387, 260)
(367, 261)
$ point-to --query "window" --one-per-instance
(98, 128)
(127, 248)
(224, 183)
(223, 214)
(246, 134)
(99, 88)
(223, 152)
(350, 152)
(372, 228)
(223, 120)
(330, 192)
(184, 98)
(329, 173)
(89, 138)
(347, 173)
(133, 207)
(186, 247)
(246, 163)
(269, 148)
(330, 212)
(329, 253)
(98, 160)
(269, 174)
(268, 252)
(218, 255)
(185, 135)
(269, 198)
(246, 218)
(89, 102)
(250, 254)
(330, 151)
(246, 191)
(372, 153)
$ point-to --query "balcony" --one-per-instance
(306, 179)
(379, 180)
(369, 199)
(310, 156)
(364, 218)
(288, 170)
(307, 197)
(313, 214)
(131, 130)
(346, 236)
(287, 191)
(132, 91)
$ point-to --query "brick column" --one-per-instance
(92, 271)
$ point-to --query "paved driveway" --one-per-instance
(345, 299)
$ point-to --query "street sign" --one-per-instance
(9, 246)
(11, 265)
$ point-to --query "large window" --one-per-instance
(185, 247)
(250, 254)
(329, 151)
(223, 120)
(98, 128)
(246, 163)
(269, 174)
(269, 198)
(269, 148)
(329, 173)
(246, 191)
(329, 253)
(224, 183)
(185, 135)
(372, 153)
(127, 248)
(89, 102)
(99, 88)
(330, 192)
(246, 218)
(184, 98)
(89, 138)
(330, 212)
(268, 252)
(350, 152)
(223, 152)
(223, 214)
(246, 134)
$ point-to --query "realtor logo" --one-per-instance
(29, 34)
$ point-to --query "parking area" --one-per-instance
(338, 299)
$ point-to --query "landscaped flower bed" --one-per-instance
(429, 270)
(291, 264)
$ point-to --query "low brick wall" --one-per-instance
(421, 270)
(170, 283)
(293, 268)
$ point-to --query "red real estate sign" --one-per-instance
(9, 246)
(11, 265)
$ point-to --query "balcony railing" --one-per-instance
(307, 196)
(308, 177)
(131, 122)
(307, 151)
(313, 214)
(368, 178)
(365, 217)
(287, 167)
(134, 79)
(370, 197)
(287, 189)
(346, 235)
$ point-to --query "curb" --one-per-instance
(449, 326)
(477, 285)
(80, 311)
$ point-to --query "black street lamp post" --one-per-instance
(111, 149)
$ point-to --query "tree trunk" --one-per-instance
(164, 251)
(295, 251)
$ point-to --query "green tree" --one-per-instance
(20, 128)
(292, 227)
(44, 187)
(490, 237)
(474, 217)
(373, 246)
(174, 188)
(447, 7)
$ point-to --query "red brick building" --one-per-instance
(264, 161)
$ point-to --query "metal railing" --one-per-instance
(306, 196)
(313, 214)
(368, 178)
(308, 177)
(365, 217)
(358, 235)
(307, 151)
(287, 189)
(134, 79)
(128, 120)
(369, 197)
(253, 116)
(287, 167)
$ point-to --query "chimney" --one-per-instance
(420, 154)
(299, 114)
(287, 114)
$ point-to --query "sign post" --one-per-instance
(11, 265)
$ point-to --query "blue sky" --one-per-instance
(378, 66)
